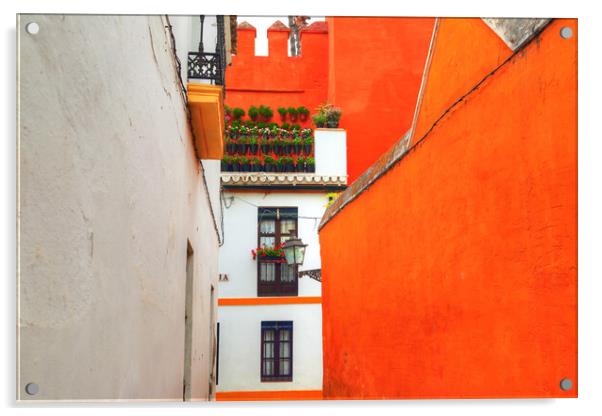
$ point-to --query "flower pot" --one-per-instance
(277, 259)
(265, 148)
(307, 149)
(244, 167)
(332, 124)
(269, 167)
(242, 148)
(235, 167)
(253, 148)
(310, 168)
(223, 166)
(297, 148)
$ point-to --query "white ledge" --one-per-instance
(281, 179)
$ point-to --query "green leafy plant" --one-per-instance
(310, 164)
(285, 126)
(235, 163)
(226, 162)
(319, 120)
(296, 127)
(301, 163)
(307, 145)
(265, 112)
(328, 115)
(292, 113)
(274, 132)
(238, 113)
(253, 113)
(282, 111)
(331, 197)
(269, 252)
(303, 113)
(333, 117)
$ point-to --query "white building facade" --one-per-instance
(119, 222)
(270, 314)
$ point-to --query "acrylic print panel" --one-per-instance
(429, 169)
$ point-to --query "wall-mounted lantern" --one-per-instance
(294, 251)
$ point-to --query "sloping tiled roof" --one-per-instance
(278, 25)
(382, 165)
(316, 27)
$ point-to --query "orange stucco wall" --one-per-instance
(375, 70)
(452, 70)
(278, 80)
(455, 273)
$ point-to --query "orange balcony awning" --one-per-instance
(206, 106)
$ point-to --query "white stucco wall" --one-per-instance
(331, 151)
(240, 230)
(110, 191)
(187, 34)
(240, 326)
(240, 347)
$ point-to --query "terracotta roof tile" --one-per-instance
(316, 27)
(246, 26)
(379, 168)
(278, 25)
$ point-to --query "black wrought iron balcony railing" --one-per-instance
(205, 65)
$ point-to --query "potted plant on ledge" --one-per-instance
(328, 115)
(282, 111)
(319, 120)
(269, 254)
(268, 163)
(303, 113)
(307, 145)
(310, 164)
(301, 163)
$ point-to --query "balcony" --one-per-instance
(328, 171)
(207, 66)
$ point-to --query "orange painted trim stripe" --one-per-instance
(239, 396)
(281, 300)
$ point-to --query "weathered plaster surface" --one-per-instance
(110, 192)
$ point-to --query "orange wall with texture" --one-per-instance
(278, 80)
(453, 71)
(375, 70)
(455, 274)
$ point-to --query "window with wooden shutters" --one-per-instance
(275, 226)
(277, 351)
